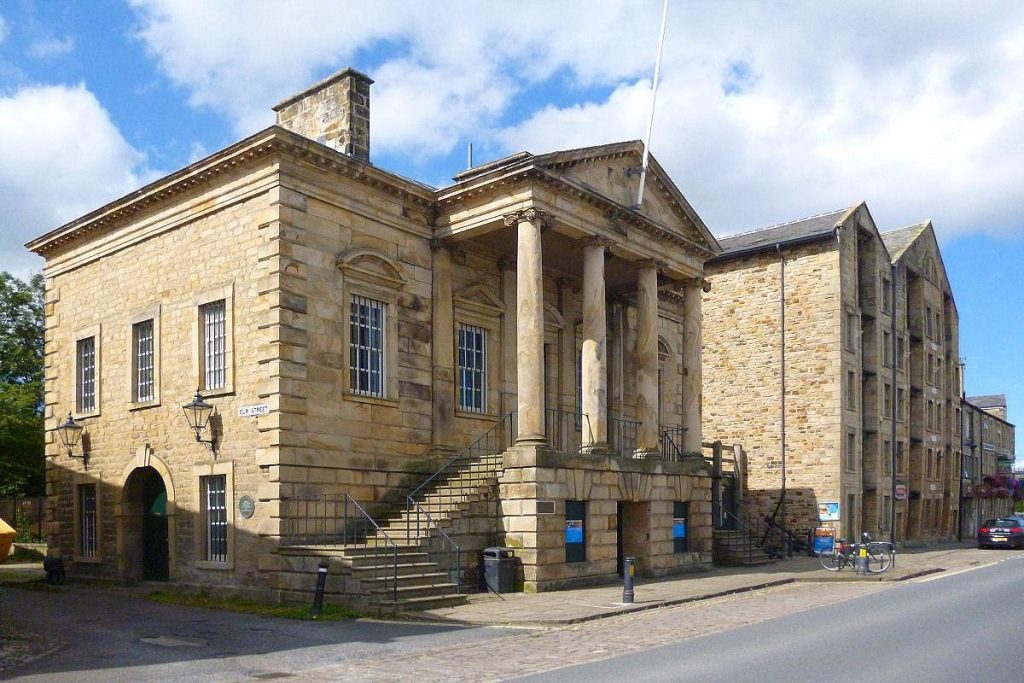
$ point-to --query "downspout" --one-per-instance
(782, 376)
(960, 474)
(894, 407)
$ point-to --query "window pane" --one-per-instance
(215, 517)
(142, 343)
(87, 536)
(367, 369)
(472, 368)
(85, 394)
(214, 329)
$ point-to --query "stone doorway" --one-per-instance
(633, 534)
(145, 527)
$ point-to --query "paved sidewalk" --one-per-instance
(572, 606)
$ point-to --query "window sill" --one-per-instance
(81, 559)
(214, 393)
(221, 566)
(473, 415)
(85, 416)
(132, 405)
(373, 400)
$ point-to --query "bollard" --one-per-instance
(321, 584)
(861, 563)
(627, 580)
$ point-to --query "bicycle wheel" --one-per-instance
(831, 560)
(879, 557)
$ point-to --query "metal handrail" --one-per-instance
(380, 533)
(325, 520)
(451, 547)
(670, 450)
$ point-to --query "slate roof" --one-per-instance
(800, 231)
(897, 241)
(990, 401)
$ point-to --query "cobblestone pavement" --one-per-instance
(18, 648)
(546, 649)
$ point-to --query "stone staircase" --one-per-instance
(736, 548)
(439, 507)
(411, 544)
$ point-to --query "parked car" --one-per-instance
(1001, 533)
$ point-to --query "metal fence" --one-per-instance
(27, 516)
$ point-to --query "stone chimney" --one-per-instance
(334, 112)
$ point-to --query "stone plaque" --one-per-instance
(246, 506)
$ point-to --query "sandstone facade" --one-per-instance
(868, 330)
(268, 259)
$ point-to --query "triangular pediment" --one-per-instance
(480, 298)
(613, 171)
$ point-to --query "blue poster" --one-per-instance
(574, 531)
(679, 528)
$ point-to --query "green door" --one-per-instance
(155, 557)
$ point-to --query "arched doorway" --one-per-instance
(145, 525)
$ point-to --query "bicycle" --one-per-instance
(879, 555)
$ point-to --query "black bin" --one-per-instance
(500, 569)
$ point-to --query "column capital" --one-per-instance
(659, 265)
(597, 241)
(528, 215)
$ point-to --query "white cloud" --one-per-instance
(51, 47)
(60, 156)
(766, 111)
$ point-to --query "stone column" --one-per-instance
(692, 381)
(529, 326)
(595, 348)
(647, 413)
(443, 351)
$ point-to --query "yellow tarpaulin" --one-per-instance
(6, 539)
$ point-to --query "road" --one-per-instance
(103, 637)
(964, 626)
(955, 626)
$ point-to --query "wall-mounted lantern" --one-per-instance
(198, 412)
(70, 432)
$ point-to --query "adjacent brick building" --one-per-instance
(352, 330)
(862, 330)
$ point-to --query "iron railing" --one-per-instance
(622, 436)
(567, 431)
(27, 516)
(331, 519)
(454, 483)
(444, 551)
(671, 443)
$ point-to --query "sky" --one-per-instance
(766, 111)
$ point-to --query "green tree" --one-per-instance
(21, 386)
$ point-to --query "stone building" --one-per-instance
(988, 457)
(831, 353)
(353, 330)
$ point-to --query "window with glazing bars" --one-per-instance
(87, 536)
(142, 352)
(213, 318)
(366, 346)
(215, 517)
(85, 385)
(472, 369)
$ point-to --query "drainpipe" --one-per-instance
(782, 376)
(895, 408)
(960, 474)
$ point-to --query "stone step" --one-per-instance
(424, 578)
(422, 603)
(369, 571)
(433, 590)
